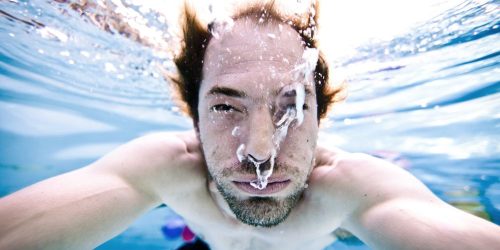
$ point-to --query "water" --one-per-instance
(427, 99)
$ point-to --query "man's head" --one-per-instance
(240, 81)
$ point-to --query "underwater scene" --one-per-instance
(77, 80)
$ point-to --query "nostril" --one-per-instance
(264, 164)
(254, 159)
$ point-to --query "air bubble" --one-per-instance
(221, 26)
(239, 152)
(236, 131)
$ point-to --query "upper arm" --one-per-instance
(406, 223)
(78, 209)
(84, 207)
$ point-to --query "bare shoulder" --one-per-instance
(163, 148)
(360, 181)
(359, 171)
(337, 166)
(155, 161)
(165, 143)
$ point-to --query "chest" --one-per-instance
(221, 237)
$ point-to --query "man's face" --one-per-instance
(250, 82)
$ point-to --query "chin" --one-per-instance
(258, 210)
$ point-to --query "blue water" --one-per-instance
(427, 100)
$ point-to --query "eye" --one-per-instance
(223, 108)
(279, 116)
(292, 106)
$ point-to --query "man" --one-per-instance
(250, 175)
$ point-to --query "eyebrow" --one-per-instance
(217, 90)
(292, 92)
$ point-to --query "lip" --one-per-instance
(250, 178)
(273, 186)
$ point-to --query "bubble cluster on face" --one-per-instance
(221, 21)
(306, 69)
(290, 109)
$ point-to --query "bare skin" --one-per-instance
(383, 205)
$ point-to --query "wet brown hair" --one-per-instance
(195, 39)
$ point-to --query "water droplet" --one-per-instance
(109, 67)
(52, 33)
(299, 103)
(85, 53)
(64, 53)
(239, 152)
(236, 131)
(221, 25)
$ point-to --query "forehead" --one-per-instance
(252, 54)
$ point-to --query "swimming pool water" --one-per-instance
(427, 99)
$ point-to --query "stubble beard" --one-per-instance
(259, 211)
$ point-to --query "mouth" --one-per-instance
(273, 187)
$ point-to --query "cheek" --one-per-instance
(219, 145)
(300, 143)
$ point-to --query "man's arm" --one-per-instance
(85, 207)
(391, 209)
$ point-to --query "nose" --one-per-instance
(259, 144)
